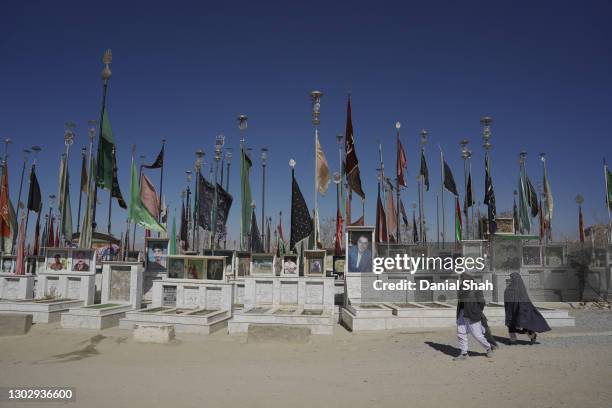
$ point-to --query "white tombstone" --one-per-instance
(16, 287)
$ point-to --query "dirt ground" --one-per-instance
(569, 368)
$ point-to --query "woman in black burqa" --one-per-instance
(521, 315)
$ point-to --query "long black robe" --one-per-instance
(520, 312)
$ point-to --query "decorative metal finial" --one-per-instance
(542, 156)
(292, 163)
(486, 131)
(36, 149)
(316, 106)
(92, 129)
(337, 177)
(199, 158)
(106, 60)
(229, 153)
(398, 125)
(339, 137)
(188, 176)
(579, 199)
(264, 155)
(424, 135)
(69, 133)
(84, 151)
(522, 156)
(219, 142)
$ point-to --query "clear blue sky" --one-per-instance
(184, 71)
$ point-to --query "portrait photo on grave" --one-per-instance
(228, 254)
(314, 263)
(8, 264)
(176, 267)
(291, 266)
(194, 268)
(339, 261)
(156, 250)
(82, 259)
(215, 268)
(57, 259)
(360, 249)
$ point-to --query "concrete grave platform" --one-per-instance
(95, 317)
(316, 321)
(15, 324)
(195, 321)
(157, 333)
(388, 316)
(42, 310)
(264, 333)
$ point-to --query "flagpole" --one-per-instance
(161, 185)
(84, 155)
(315, 97)
(383, 184)
(26, 153)
(264, 158)
(438, 218)
(442, 194)
(219, 142)
(110, 208)
(196, 201)
(4, 166)
(106, 74)
(486, 122)
(228, 159)
(340, 185)
(397, 188)
(242, 126)
(607, 201)
(423, 142)
(68, 140)
(472, 227)
(464, 155)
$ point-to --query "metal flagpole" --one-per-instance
(35, 149)
(422, 235)
(264, 157)
(219, 142)
(106, 74)
(442, 194)
(110, 208)
(340, 184)
(242, 126)
(397, 191)
(464, 155)
(161, 184)
(4, 165)
(68, 140)
(472, 227)
(607, 201)
(438, 219)
(315, 96)
(228, 160)
(196, 201)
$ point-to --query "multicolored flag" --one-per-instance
(137, 211)
(322, 178)
(401, 163)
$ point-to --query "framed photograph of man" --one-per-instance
(359, 249)
(215, 266)
(156, 250)
(8, 264)
(194, 268)
(57, 260)
(262, 265)
(228, 254)
(83, 259)
(243, 264)
(291, 265)
(176, 267)
(314, 263)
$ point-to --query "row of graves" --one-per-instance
(431, 303)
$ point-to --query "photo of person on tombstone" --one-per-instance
(156, 256)
(80, 261)
(7, 265)
(214, 271)
(360, 253)
(316, 267)
(290, 265)
(57, 264)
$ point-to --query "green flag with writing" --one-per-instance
(104, 174)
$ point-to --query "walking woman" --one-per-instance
(521, 315)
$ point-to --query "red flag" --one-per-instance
(580, 224)
(338, 246)
(149, 196)
(37, 236)
(359, 223)
(381, 222)
(5, 211)
(56, 243)
(20, 265)
(401, 163)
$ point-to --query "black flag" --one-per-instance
(532, 198)
(424, 171)
(415, 232)
(184, 227)
(301, 222)
(159, 162)
(206, 192)
(116, 190)
(403, 211)
(353, 176)
(256, 245)
(34, 196)
(489, 198)
(449, 180)
(469, 196)
(224, 203)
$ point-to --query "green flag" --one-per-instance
(64, 200)
(104, 175)
(245, 189)
(137, 212)
(86, 232)
(173, 237)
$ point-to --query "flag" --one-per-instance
(51, 233)
(424, 171)
(547, 201)
(84, 180)
(392, 221)
(137, 212)
(533, 198)
(322, 178)
(206, 193)
(359, 223)
(401, 163)
(301, 222)
(449, 180)
(338, 237)
(36, 246)
(415, 231)
(106, 143)
(20, 264)
(87, 225)
(524, 222)
(515, 217)
(352, 163)
(458, 222)
(469, 195)
(403, 212)
(256, 244)
(34, 195)
(7, 215)
(489, 198)
(580, 224)
(608, 185)
(280, 247)
(64, 206)
(381, 221)
(159, 161)
(542, 222)
(172, 250)
(148, 196)
(268, 235)
(245, 196)
(116, 190)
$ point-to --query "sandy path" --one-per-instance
(391, 369)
